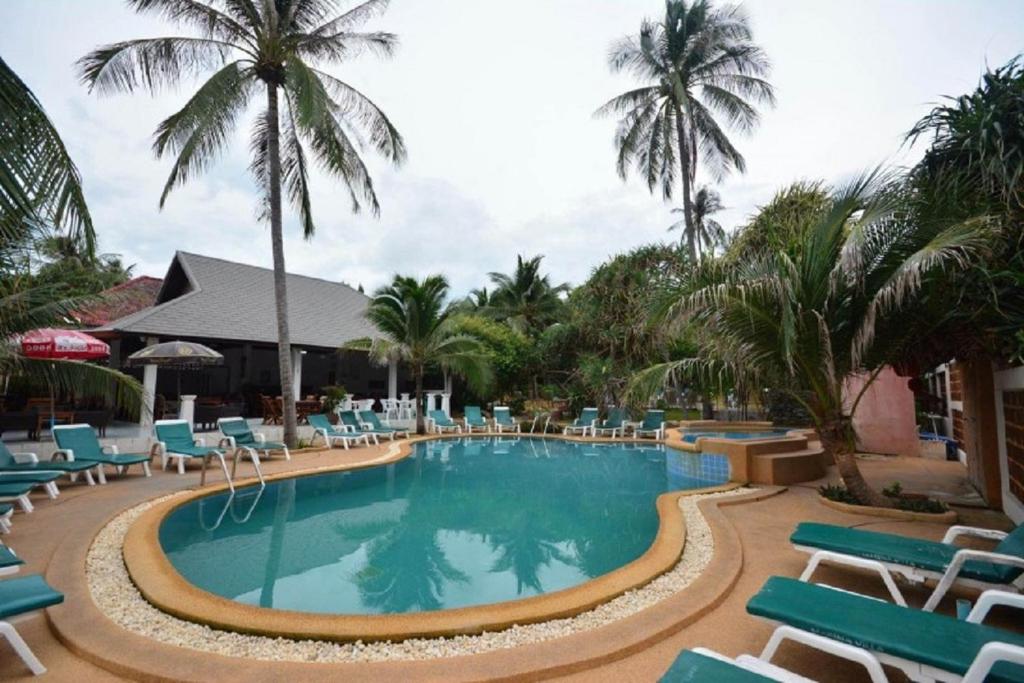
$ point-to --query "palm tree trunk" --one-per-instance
(284, 345)
(420, 423)
(838, 439)
(684, 163)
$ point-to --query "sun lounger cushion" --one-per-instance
(83, 443)
(239, 430)
(16, 488)
(924, 637)
(9, 464)
(693, 666)
(6, 508)
(41, 477)
(905, 550)
(26, 594)
(8, 558)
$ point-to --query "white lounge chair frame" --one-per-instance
(989, 655)
(18, 643)
(260, 437)
(69, 454)
(33, 458)
(347, 434)
(500, 428)
(889, 571)
(436, 428)
(582, 429)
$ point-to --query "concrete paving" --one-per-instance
(762, 529)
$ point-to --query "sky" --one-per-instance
(496, 101)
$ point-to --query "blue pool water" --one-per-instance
(691, 437)
(458, 523)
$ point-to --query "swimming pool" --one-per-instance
(458, 523)
(691, 437)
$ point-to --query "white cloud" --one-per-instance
(496, 103)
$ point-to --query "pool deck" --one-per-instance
(750, 545)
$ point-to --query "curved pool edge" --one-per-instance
(161, 584)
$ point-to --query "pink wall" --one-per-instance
(885, 420)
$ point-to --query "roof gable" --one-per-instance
(211, 298)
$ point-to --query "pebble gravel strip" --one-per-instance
(116, 595)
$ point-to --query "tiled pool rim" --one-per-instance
(163, 587)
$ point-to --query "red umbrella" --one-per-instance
(50, 344)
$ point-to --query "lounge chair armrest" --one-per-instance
(830, 557)
(956, 532)
(158, 449)
(957, 563)
(229, 440)
(66, 453)
(25, 457)
(988, 656)
(112, 448)
(849, 652)
(199, 441)
(994, 598)
(260, 437)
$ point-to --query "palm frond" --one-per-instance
(151, 63)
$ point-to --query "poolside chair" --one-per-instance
(701, 664)
(474, 419)
(369, 417)
(915, 559)
(238, 434)
(653, 424)
(30, 462)
(924, 645)
(350, 420)
(47, 480)
(10, 563)
(6, 512)
(504, 422)
(20, 596)
(441, 423)
(79, 442)
(17, 492)
(584, 423)
(175, 441)
(616, 423)
(331, 434)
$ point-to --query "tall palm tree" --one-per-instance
(709, 233)
(41, 198)
(526, 300)
(698, 63)
(808, 319)
(273, 47)
(419, 330)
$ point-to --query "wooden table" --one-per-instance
(59, 417)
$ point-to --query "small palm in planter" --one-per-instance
(333, 396)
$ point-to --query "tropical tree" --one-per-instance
(807, 320)
(420, 331)
(709, 233)
(525, 299)
(273, 48)
(698, 65)
(779, 223)
(41, 199)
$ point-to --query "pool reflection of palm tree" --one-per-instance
(525, 546)
(407, 570)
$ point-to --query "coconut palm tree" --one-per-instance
(41, 199)
(697, 66)
(420, 331)
(808, 319)
(526, 300)
(274, 49)
(709, 233)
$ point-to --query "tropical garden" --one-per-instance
(902, 268)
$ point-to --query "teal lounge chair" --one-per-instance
(441, 423)
(48, 480)
(331, 434)
(175, 441)
(17, 492)
(369, 417)
(653, 424)
(30, 462)
(585, 423)
(615, 424)
(700, 664)
(474, 419)
(79, 442)
(19, 596)
(6, 512)
(10, 563)
(924, 645)
(503, 420)
(351, 421)
(238, 434)
(916, 559)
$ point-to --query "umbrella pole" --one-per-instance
(53, 405)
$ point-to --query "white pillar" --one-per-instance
(187, 408)
(297, 372)
(446, 404)
(392, 379)
(431, 403)
(148, 390)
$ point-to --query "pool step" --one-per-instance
(781, 469)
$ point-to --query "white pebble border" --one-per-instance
(118, 598)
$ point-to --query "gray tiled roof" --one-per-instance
(228, 300)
